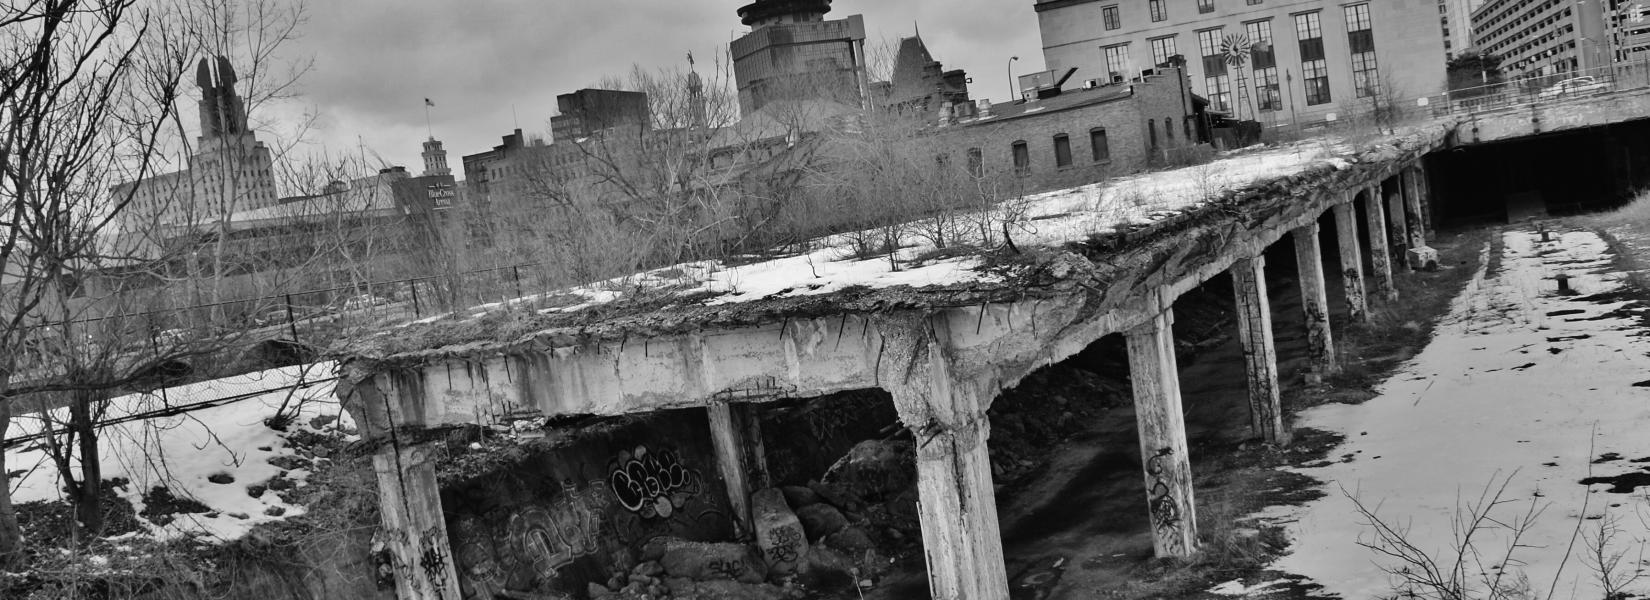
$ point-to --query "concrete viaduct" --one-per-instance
(942, 354)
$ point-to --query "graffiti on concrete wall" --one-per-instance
(430, 559)
(652, 483)
(1166, 519)
(552, 536)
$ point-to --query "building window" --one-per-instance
(1162, 49)
(1112, 20)
(1099, 145)
(1168, 128)
(1117, 62)
(1158, 13)
(1361, 40)
(1205, 6)
(1314, 68)
(1022, 158)
(1254, 2)
(1151, 132)
(1217, 85)
(976, 162)
(1062, 150)
(1263, 59)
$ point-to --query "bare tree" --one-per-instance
(84, 87)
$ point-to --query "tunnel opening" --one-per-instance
(1551, 174)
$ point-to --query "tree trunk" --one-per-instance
(88, 503)
(11, 535)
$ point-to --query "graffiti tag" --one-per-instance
(551, 537)
(652, 483)
(1166, 520)
(726, 569)
(432, 561)
(787, 545)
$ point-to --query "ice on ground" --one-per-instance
(1519, 383)
(1236, 588)
(183, 452)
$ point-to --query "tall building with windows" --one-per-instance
(1455, 17)
(1545, 37)
(230, 170)
(1305, 60)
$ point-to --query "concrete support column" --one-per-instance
(1260, 356)
(1412, 209)
(957, 504)
(736, 434)
(1380, 258)
(1314, 302)
(1397, 233)
(389, 408)
(1424, 186)
(1157, 412)
(414, 530)
(1352, 261)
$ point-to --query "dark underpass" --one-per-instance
(1546, 174)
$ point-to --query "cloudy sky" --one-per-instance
(376, 60)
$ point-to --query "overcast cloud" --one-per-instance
(376, 60)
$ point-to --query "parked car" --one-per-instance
(1575, 86)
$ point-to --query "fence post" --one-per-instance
(291, 324)
(417, 314)
(516, 274)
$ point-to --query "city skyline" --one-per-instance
(377, 60)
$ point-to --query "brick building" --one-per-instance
(1076, 136)
(1308, 58)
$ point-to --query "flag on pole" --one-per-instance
(428, 103)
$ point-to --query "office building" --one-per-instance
(1305, 59)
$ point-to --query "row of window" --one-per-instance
(1020, 152)
(1159, 11)
(1262, 59)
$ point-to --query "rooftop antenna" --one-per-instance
(513, 116)
(427, 128)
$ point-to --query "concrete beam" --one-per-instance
(1260, 356)
(741, 458)
(1352, 260)
(1380, 258)
(1424, 185)
(1160, 418)
(1320, 343)
(956, 499)
(414, 530)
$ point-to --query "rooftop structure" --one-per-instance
(590, 110)
(793, 53)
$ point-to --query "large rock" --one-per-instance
(852, 541)
(827, 570)
(875, 470)
(820, 520)
(779, 534)
(836, 495)
(706, 561)
(1423, 258)
(798, 496)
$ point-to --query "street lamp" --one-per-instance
(1011, 60)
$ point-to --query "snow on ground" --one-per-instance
(1518, 384)
(182, 452)
(1046, 219)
